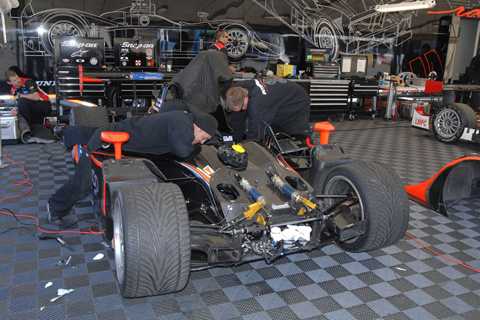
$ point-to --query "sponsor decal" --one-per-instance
(80, 60)
(69, 43)
(149, 52)
(65, 60)
(262, 88)
(460, 12)
(138, 63)
(93, 61)
(149, 57)
(208, 170)
(150, 64)
(124, 63)
(45, 83)
(420, 122)
(138, 45)
(79, 53)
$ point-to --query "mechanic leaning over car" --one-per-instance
(173, 132)
(281, 104)
(33, 104)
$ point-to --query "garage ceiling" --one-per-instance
(247, 10)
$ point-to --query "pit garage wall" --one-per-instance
(382, 60)
(466, 46)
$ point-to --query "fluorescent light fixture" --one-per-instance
(41, 30)
(403, 6)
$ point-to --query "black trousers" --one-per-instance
(33, 111)
(75, 189)
(80, 184)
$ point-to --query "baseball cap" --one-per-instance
(205, 122)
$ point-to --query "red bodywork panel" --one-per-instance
(460, 179)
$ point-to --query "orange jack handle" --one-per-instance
(117, 138)
(324, 128)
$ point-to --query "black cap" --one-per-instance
(205, 122)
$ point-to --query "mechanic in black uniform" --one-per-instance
(33, 104)
(175, 132)
(281, 104)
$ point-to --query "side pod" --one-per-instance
(460, 179)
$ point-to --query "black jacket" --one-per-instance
(280, 103)
(157, 134)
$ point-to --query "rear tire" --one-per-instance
(88, 116)
(151, 239)
(382, 201)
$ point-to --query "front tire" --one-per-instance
(381, 200)
(151, 239)
(449, 122)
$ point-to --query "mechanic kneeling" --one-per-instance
(173, 132)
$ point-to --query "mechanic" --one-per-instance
(281, 104)
(33, 104)
(175, 132)
(221, 40)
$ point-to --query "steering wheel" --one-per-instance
(406, 77)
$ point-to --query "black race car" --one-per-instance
(238, 203)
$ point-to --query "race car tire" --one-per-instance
(449, 121)
(88, 116)
(382, 202)
(151, 239)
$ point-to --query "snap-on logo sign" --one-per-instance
(137, 46)
(79, 44)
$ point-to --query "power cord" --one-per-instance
(9, 212)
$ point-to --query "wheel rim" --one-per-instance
(447, 123)
(325, 38)
(237, 44)
(340, 185)
(119, 247)
(63, 28)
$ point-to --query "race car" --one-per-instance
(237, 203)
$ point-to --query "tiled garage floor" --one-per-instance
(405, 281)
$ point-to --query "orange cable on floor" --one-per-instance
(441, 255)
(27, 182)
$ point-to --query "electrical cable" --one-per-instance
(37, 224)
(441, 255)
